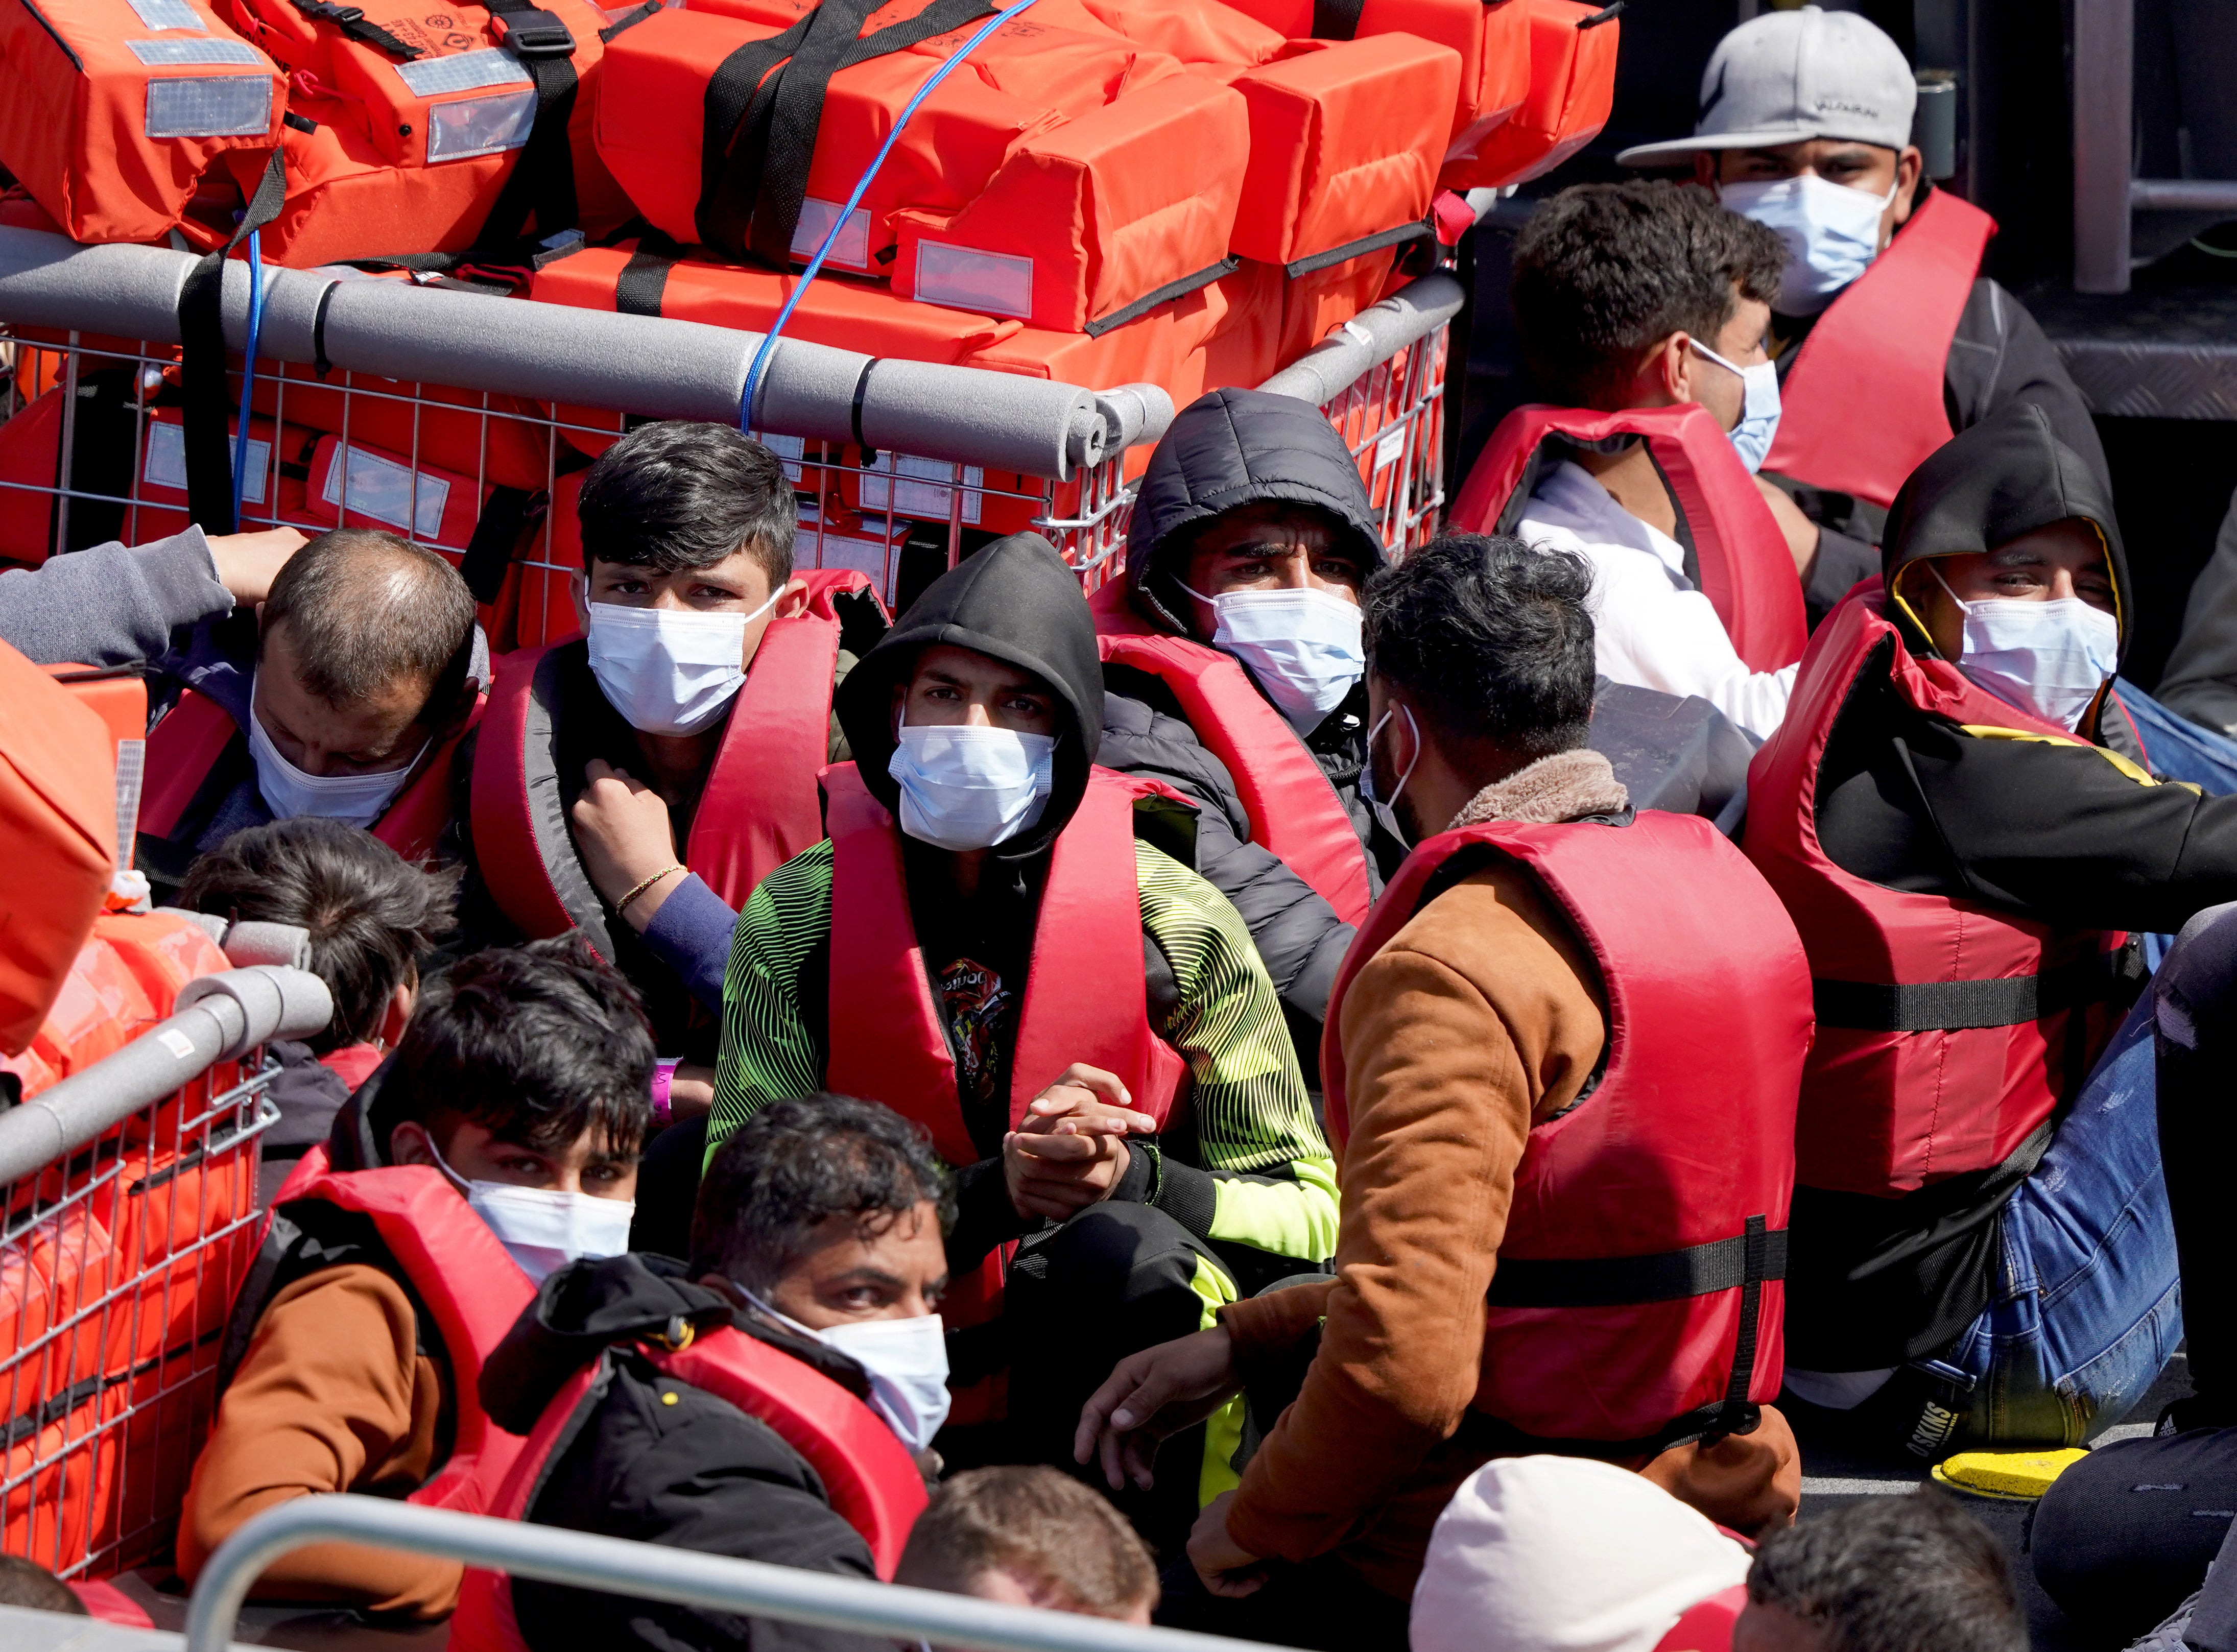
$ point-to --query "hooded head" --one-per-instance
(1015, 602)
(1231, 448)
(2005, 511)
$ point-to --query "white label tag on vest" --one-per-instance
(965, 279)
(851, 251)
(167, 461)
(382, 489)
(218, 106)
(926, 497)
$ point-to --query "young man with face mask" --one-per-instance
(1556, 1000)
(1644, 296)
(637, 782)
(990, 945)
(1886, 336)
(1981, 1248)
(496, 1144)
(1233, 673)
(343, 693)
(792, 1369)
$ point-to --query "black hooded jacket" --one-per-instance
(1240, 447)
(2059, 833)
(655, 1460)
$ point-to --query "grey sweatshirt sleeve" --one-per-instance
(112, 605)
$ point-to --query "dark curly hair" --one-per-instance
(796, 1163)
(1490, 639)
(681, 494)
(1910, 1574)
(1604, 271)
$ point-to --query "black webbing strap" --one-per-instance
(497, 531)
(351, 20)
(1737, 1415)
(1374, 243)
(726, 144)
(643, 283)
(543, 178)
(1607, 14)
(1171, 290)
(629, 22)
(1337, 19)
(208, 401)
(1666, 1276)
(1958, 1006)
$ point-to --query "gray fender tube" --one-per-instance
(1376, 334)
(648, 364)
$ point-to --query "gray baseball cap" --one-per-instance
(1787, 76)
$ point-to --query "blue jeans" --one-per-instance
(2087, 1305)
(2177, 749)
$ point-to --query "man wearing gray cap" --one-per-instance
(1805, 128)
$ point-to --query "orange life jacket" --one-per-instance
(1573, 52)
(1747, 571)
(115, 111)
(1883, 345)
(1948, 1030)
(1638, 1300)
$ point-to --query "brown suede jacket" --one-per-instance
(332, 1396)
(1480, 1018)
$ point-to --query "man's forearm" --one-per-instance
(111, 605)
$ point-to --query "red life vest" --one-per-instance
(1294, 811)
(869, 1479)
(891, 1047)
(1706, 1625)
(458, 1271)
(194, 735)
(1637, 1299)
(1883, 345)
(1944, 1027)
(760, 807)
(1747, 571)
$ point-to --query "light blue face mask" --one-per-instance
(1758, 424)
(1831, 234)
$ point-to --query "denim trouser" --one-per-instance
(2087, 1304)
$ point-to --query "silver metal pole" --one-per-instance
(2184, 195)
(652, 1571)
(2104, 99)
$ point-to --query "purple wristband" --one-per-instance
(664, 1074)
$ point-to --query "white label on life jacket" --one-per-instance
(1388, 446)
(216, 106)
(166, 14)
(470, 126)
(465, 71)
(868, 556)
(789, 450)
(167, 461)
(154, 54)
(921, 497)
(382, 489)
(851, 251)
(965, 279)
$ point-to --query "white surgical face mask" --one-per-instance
(905, 1360)
(670, 670)
(543, 1229)
(354, 800)
(966, 787)
(1831, 232)
(2049, 657)
(1384, 808)
(1302, 645)
(1758, 425)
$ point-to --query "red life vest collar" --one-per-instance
(1747, 571)
(1294, 811)
(1883, 345)
(1664, 1260)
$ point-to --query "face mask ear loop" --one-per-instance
(1904, 602)
(443, 1164)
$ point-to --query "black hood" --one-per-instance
(1014, 601)
(2005, 477)
(1238, 447)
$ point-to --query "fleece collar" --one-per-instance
(1569, 786)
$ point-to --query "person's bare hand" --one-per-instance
(248, 563)
(690, 1087)
(1085, 1101)
(1149, 1395)
(1801, 533)
(623, 830)
(1226, 1566)
(1070, 1152)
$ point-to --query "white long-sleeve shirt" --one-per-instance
(1652, 626)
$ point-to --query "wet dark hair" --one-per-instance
(25, 1582)
(374, 916)
(1604, 271)
(1045, 1528)
(363, 609)
(540, 1044)
(1909, 1574)
(680, 495)
(1490, 639)
(797, 1164)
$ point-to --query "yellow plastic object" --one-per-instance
(2018, 1476)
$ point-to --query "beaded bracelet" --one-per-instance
(622, 905)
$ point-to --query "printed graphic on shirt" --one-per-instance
(978, 1011)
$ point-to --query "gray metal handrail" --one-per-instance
(218, 1017)
(652, 1571)
(1376, 334)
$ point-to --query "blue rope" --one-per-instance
(248, 378)
(831, 237)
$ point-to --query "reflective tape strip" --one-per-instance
(469, 126)
(156, 54)
(965, 279)
(167, 461)
(168, 14)
(221, 106)
(468, 71)
(382, 489)
(852, 249)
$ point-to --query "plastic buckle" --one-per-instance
(534, 34)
